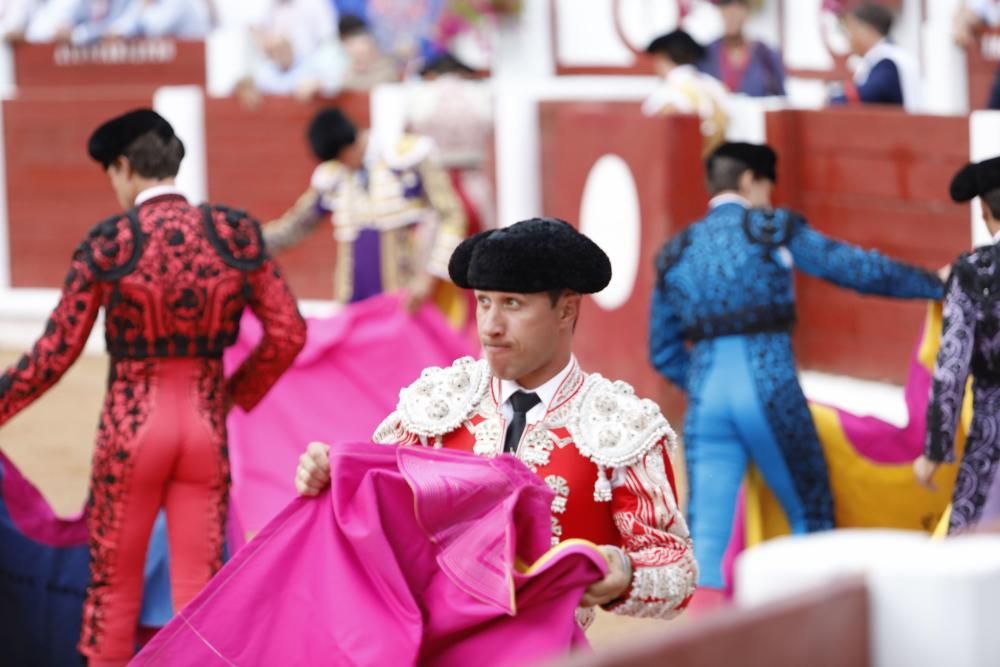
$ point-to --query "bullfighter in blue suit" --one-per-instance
(722, 315)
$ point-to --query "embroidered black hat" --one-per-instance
(110, 140)
(758, 158)
(975, 179)
(330, 131)
(535, 255)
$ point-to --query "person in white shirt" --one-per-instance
(886, 73)
(184, 19)
(14, 18)
(298, 51)
(971, 18)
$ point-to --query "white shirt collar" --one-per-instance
(157, 191)
(996, 238)
(728, 198)
(546, 392)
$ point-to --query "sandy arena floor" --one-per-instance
(51, 443)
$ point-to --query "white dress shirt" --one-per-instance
(728, 198)
(157, 191)
(545, 393)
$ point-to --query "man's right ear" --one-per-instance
(121, 164)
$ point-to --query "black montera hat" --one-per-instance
(330, 131)
(112, 138)
(975, 179)
(531, 256)
(759, 158)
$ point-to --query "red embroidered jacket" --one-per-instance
(602, 450)
(173, 280)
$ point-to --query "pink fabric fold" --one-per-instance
(343, 383)
(31, 514)
(411, 558)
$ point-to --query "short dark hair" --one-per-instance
(555, 295)
(876, 15)
(153, 157)
(350, 25)
(330, 131)
(678, 46)
(724, 173)
(992, 201)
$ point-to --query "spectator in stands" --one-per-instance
(886, 73)
(238, 14)
(184, 19)
(53, 20)
(743, 65)
(367, 66)
(454, 107)
(684, 89)
(88, 21)
(297, 49)
(970, 18)
(14, 17)
(357, 8)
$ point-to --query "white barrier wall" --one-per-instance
(933, 603)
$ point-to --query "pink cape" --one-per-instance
(342, 385)
(413, 557)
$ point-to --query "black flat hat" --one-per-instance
(531, 256)
(975, 179)
(759, 158)
(330, 131)
(112, 138)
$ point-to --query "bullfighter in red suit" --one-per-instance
(602, 449)
(173, 280)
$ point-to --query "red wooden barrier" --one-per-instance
(826, 627)
(55, 192)
(664, 158)
(145, 62)
(877, 178)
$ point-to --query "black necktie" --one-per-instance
(521, 402)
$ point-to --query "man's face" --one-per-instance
(734, 18)
(353, 156)
(121, 176)
(662, 65)
(860, 35)
(519, 332)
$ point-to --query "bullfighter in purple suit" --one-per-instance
(970, 345)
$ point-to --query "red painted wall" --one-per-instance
(55, 192)
(877, 178)
(144, 63)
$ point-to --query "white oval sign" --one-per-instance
(609, 214)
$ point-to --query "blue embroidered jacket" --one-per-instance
(731, 273)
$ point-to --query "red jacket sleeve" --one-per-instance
(66, 333)
(273, 303)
